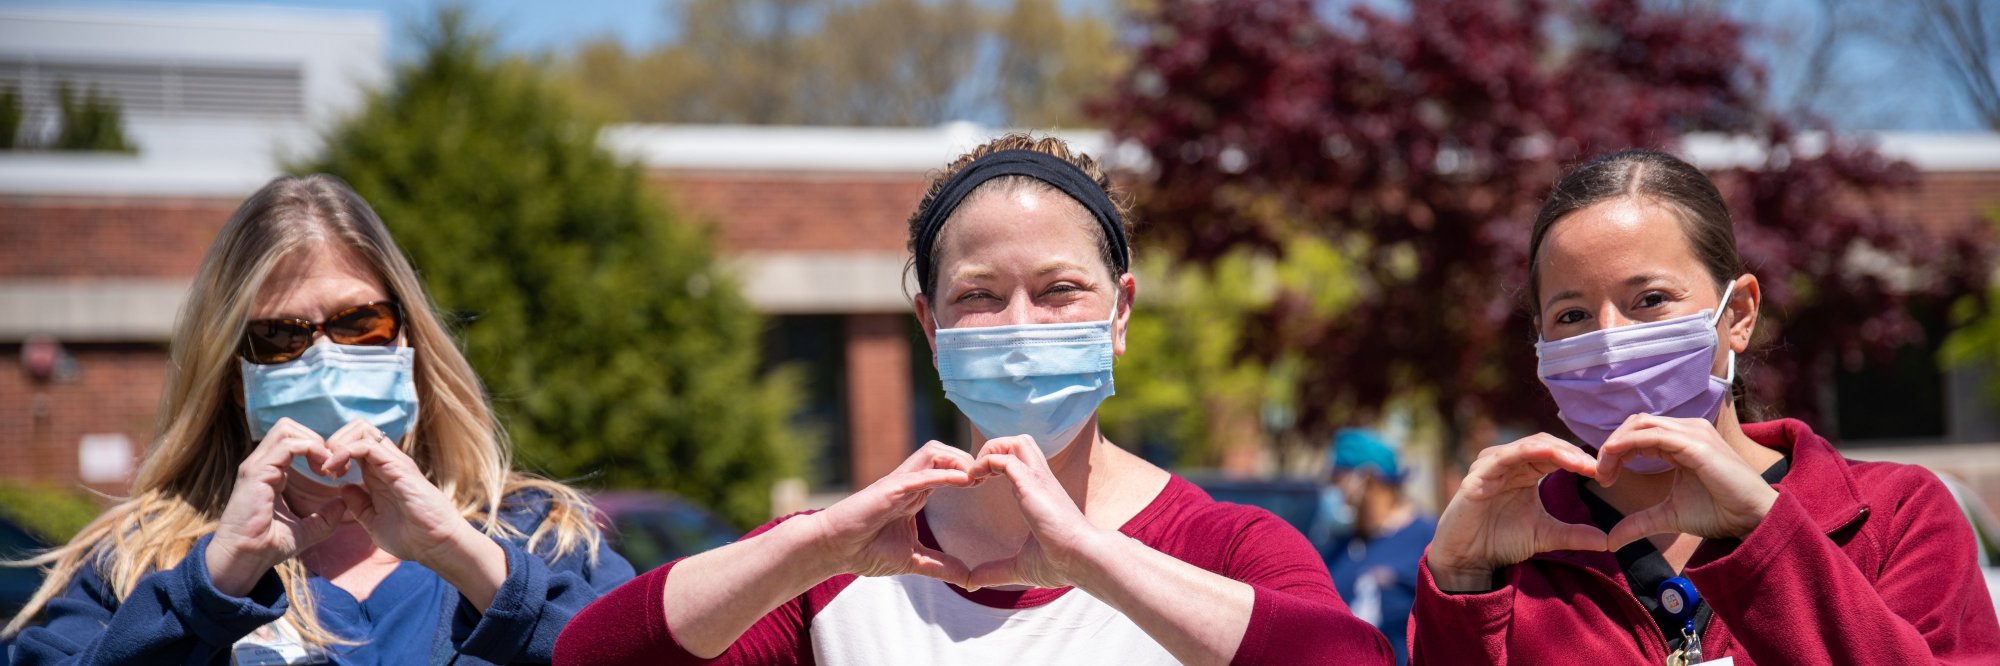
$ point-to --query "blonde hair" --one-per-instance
(187, 476)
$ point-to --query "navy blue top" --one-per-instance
(1378, 577)
(176, 616)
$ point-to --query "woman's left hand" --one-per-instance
(1715, 493)
(1059, 534)
(409, 517)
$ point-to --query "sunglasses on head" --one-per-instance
(267, 341)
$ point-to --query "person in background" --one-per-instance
(1375, 565)
(1677, 528)
(329, 484)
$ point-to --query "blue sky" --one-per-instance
(1880, 84)
(524, 25)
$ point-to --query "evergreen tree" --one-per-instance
(90, 121)
(617, 352)
(11, 115)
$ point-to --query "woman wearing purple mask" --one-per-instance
(1668, 530)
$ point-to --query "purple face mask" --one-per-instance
(1600, 378)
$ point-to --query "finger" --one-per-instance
(936, 455)
(1662, 519)
(927, 561)
(924, 480)
(1021, 447)
(1003, 464)
(353, 429)
(381, 461)
(285, 440)
(1552, 534)
(1546, 453)
(339, 456)
(1676, 447)
(1610, 462)
(995, 573)
(1522, 464)
(268, 462)
(321, 523)
(1028, 481)
(359, 503)
(286, 425)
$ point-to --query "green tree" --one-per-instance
(52, 513)
(1184, 382)
(617, 352)
(90, 121)
(1052, 64)
(11, 115)
(857, 62)
(1975, 342)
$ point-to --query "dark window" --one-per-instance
(1898, 398)
(932, 416)
(817, 346)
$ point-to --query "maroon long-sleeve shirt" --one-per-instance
(1857, 563)
(1297, 617)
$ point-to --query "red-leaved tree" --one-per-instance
(1423, 141)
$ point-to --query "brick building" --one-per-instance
(96, 251)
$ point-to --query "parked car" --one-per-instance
(1985, 532)
(652, 528)
(16, 584)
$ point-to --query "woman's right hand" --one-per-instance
(257, 531)
(874, 532)
(1497, 518)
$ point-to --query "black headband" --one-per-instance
(1037, 165)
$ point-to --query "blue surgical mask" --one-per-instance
(328, 387)
(1040, 380)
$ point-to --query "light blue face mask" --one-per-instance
(1039, 380)
(328, 387)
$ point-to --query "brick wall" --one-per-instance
(114, 390)
(116, 386)
(86, 237)
(1949, 198)
(786, 212)
(878, 394)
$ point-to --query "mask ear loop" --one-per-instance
(1717, 319)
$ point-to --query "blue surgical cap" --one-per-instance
(1365, 450)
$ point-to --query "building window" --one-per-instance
(817, 346)
(1902, 400)
(162, 89)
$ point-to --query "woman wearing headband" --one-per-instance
(1690, 536)
(328, 483)
(1041, 542)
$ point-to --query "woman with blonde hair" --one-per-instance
(328, 482)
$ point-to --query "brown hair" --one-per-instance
(1017, 141)
(1659, 178)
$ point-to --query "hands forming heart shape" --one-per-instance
(1497, 518)
(403, 512)
(874, 532)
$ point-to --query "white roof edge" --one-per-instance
(1927, 151)
(242, 17)
(922, 149)
(110, 174)
(826, 149)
